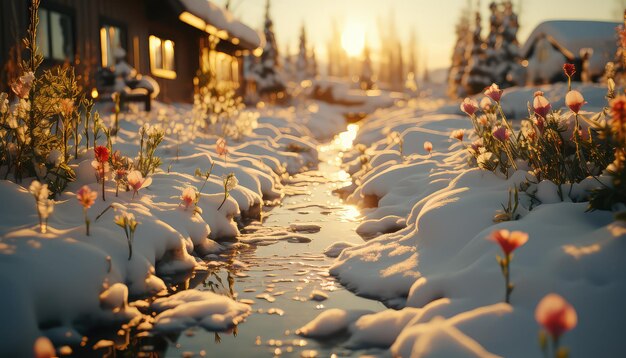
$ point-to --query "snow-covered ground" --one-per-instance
(63, 282)
(432, 261)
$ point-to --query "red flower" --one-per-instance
(509, 240)
(618, 113)
(569, 69)
(102, 153)
(556, 315)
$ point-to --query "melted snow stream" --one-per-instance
(278, 279)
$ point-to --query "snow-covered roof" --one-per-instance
(573, 35)
(223, 20)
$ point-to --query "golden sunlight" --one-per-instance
(353, 39)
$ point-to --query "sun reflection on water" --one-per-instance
(344, 140)
(350, 213)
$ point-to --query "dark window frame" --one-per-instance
(107, 21)
(63, 10)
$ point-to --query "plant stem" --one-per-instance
(103, 179)
(86, 221)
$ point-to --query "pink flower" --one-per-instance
(86, 197)
(136, 181)
(574, 100)
(220, 147)
(102, 153)
(22, 86)
(501, 133)
(188, 196)
(556, 315)
(66, 107)
(428, 146)
(509, 240)
(120, 174)
(458, 134)
(101, 168)
(569, 69)
(541, 105)
(485, 104)
(43, 348)
(494, 92)
(476, 145)
(469, 106)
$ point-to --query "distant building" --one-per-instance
(166, 39)
(553, 43)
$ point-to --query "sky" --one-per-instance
(432, 21)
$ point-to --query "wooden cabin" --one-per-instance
(165, 39)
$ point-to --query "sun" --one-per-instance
(353, 39)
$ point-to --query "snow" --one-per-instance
(335, 249)
(198, 308)
(223, 19)
(440, 273)
(40, 270)
(330, 322)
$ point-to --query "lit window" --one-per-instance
(162, 57)
(111, 38)
(55, 37)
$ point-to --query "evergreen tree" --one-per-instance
(508, 68)
(288, 66)
(495, 19)
(367, 73)
(302, 61)
(476, 77)
(412, 66)
(269, 81)
(459, 61)
(313, 71)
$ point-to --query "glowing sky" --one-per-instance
(432, 20)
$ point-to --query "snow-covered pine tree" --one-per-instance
(457, 68)
(495, 20)
(476, 77)
(270, 84)
(312, 63)
(410, 84)
(508, 69)
(288, 65)
(365, 79)
(302, 61)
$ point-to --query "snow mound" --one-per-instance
(198, 308)
(330, 322)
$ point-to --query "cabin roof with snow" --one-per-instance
(570, 36)
(215, 20)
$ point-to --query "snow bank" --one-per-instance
(198, 308)
(50, 296)
(440, 270)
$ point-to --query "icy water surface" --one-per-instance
(276, 279)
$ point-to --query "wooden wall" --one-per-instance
(140, 18)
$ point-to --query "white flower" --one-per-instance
(230, 182)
